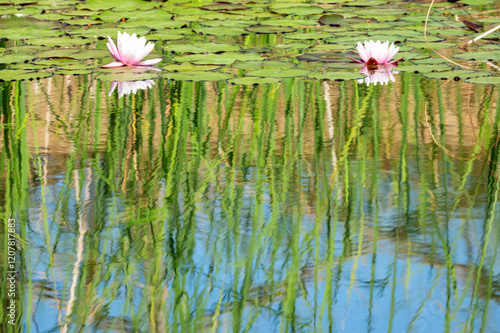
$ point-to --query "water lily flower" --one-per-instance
(383, 74)
(129, 51)
(376, 53)
(125, 88)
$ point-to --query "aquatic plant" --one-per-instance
(130, 50)
(376, 53)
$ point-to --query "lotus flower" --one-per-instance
(383, 74)
(125, 88)
(376, 53)
(130, 51)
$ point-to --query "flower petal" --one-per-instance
(149, 62)
(112, 49)
(113, 64)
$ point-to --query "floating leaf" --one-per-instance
(63, 53)
(263, 64)
(299, 10)
(455, 74)
(59, 41)
(225, 6)
(189, 67)
(269, 29)
(15, 58)
(336, 76)
(483, 55)
(20, 75)
(246, 81)
(226, 58)
(197, 76)
(202, 47)
(482, 80)
(278, 73)
(333, 20)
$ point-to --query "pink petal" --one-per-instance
(112, 87)
(112, 48)
(149, 62)
(114, 64)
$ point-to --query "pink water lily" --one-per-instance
(376, 53)
(129, 51)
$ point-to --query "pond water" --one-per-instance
(206, 198)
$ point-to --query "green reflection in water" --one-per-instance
(298, 206)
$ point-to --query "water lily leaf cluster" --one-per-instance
(241, 41)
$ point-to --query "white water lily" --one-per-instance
(125, 88)
(383, 74)
(376, 53)
(130, 50)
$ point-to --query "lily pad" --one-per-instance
(269, 29)
(225, 6)
(333, 20)
(246, 81)
(15, 58)
(485, 55)
(455, 74)
(189, 67)
(197, 76)
(63, 53)
(278, 73)
(59, 41)
(299, 10)
(226, 58)
(126, 76)
(482, 80)
(202, 47)
(20, 75)
(336, 76)
(263, 64)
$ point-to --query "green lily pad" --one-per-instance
(422, 68)
(87, 22)
(59, 41)
(126, 76)
(299, 10)
(164, 35)
(91, 54)
(484, 55)
(197, 76)
(186, 66)
(20, 75)
(105, 32)
(24, 32)
(321, 57)
(333, 20)
(226, 58)
(312, 35)
(202, 47)
(278, 73)
(15, 58)
(225, 6)
(158, 25)
(62, 71)
(336, 76)
(267, 64)
(63, 53)
(293, 23)
(456, 74)
(482, 80)
(247, 81)
(221, 31)
(269, 29)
